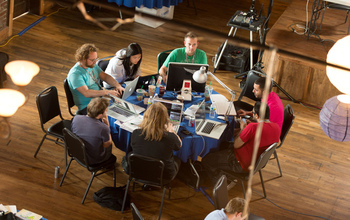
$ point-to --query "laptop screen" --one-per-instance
(174, 109)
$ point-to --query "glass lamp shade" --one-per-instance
(10, 101)
(335, 118)
(339, 55)
(200, 75)
(22, 71)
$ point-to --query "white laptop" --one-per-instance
(205, 127)
(130, 88)
(123, 110)
(174, 111)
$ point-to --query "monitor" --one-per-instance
(177, 72)
(174, 109)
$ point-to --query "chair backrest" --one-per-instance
(264, 157)
(103, 62)
(48, 105)
(287, 122)
(220, 193)
(162, 57)
(136, 215)
(4, 58)
(69, 96)
(75, 147)
(146, 170)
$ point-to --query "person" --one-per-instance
(232, 211)
(237, 158)
(83, 78)
(156, 138)
(273, 101)
(125, 64)
(187, 54)
(93, 129)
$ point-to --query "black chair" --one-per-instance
(147, 170)
(287, 124)
(162, 57)
(103, 62)
(69, 97)
(76, 150)
(49, 108)
(247, 91)
(331, 5)
(136, 215)
(263, 159)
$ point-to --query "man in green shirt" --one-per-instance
(187, 54)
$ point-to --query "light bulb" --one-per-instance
(10, 101)
(22, 71)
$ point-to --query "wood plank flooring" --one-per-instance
(315, 168)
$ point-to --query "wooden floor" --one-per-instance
(315, 168)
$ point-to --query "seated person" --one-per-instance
(156, 138)
(187, 54)
(125, 65)
(237, 158)
(84, 78)
(232, 211)
(273, 101)
(94, 133)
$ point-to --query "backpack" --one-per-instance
(112, 198)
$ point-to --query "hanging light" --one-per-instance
(335, 118)
(22, 71)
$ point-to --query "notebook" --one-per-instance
(130, 88)
(174, 111)
(205, 127)
(123, 110)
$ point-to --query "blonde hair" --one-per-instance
(84, 51)
(235, 205)
(97, 106)
(154, 121)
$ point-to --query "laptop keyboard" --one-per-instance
(209, 126)
(122, 111)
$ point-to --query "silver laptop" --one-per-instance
(205, 127)
(174, 111)
(130, 88)
(122, 110)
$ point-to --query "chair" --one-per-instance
(136, 215)
(69, 97)
(76, 150)
(331, 5)
(260, 164)
(162, 57)
(220, 193)
(287, 124)
(247, 91)
(147, 170)
(103, 62)
(49, 108)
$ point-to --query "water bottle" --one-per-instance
(159, 81)
(212, 111)
(153, 81)
(150, 101)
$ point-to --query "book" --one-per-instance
(28, 215)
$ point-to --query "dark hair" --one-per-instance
(131, 50)
(257, 110)
(261, 83)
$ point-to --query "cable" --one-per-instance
(316, 216)
(30, 26)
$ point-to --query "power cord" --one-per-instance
(316, 216)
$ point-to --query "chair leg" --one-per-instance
(169, 192)
(262, 183)
(65, 172)
(42, 141)
(125, 194)
(114, 175)
(88, 188)
(278, 163)
(243, 189)
(161, 205)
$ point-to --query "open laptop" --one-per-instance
(174, 111)
(130, 88)
(206, 127)
(122, 110)
(144, 81)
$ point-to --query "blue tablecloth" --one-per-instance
(192, 145)
(146, 3)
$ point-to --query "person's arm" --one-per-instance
(112, 82)
(170, 128)
(238, 143)
(163, 72)
(90, 93)
(109, 142)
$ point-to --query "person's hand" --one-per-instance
(164, 78)
(112, 92)
(243, 124)
(241, 112)
(170, 127)
(105, 119)
(119, 90)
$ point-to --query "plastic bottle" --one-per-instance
(159, 81)
(150, 101)
(212, 111)
(153, 81)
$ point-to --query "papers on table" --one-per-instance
(221, 104)
(130, 125)
(191, 111)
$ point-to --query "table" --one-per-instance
(146, 3)
(192, 145)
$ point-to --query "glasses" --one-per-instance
(94, 60)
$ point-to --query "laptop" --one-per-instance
(130, 88)
(206, 127)
(144, 81)
(122, 110)
(174, 111)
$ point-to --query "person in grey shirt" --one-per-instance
(232, 211)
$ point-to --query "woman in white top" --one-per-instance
(125, 65)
